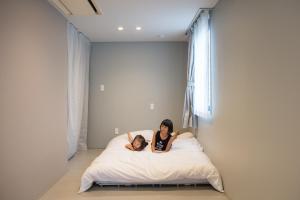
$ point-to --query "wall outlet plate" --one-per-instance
(151, 106)
(116, 131)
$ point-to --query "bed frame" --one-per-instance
(135, 186)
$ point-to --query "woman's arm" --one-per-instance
(129, 146)
(153, 142)
(169, 145)
(129, 137)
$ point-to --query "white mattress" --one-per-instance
(185, 163)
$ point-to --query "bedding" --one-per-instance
(185, 163)
(185, 135)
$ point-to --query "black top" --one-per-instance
(161, 145)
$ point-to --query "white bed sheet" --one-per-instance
(185, 163)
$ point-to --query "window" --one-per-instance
(202, 104)
(198, 94)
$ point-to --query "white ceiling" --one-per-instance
(169, 18)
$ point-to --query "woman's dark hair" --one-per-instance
(168, 123)
(142, 141)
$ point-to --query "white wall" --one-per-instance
(254, 138)
(33, 80)
(134, 75)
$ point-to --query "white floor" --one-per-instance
(67, 187)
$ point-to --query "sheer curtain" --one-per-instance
(78, 79)
(197, 103)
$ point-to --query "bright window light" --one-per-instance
(203, 90)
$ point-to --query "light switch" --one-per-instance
(116, 131)
(101, 87)
(151, 106)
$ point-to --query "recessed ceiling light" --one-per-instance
(138, 28)
(120, 28)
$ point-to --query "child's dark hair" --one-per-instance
(142, 140)
(168, 123)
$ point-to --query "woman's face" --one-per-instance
(164, 129)
(136, 144)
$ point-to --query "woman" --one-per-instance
(136, 144)
(162, 140)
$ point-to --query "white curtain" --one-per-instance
(197, 103)
(78, 79)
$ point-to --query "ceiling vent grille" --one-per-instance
(76, 7)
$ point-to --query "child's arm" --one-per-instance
(153, 142)
(129, 146)
(129, 137)
(169, 145)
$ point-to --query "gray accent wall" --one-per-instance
(134, 75)
(33, 88)
(254, 138)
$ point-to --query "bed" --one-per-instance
(185, 163)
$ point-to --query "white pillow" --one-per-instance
(185, 135)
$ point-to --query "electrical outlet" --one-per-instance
(152, 106)
(116, 131)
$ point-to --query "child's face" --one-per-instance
(136, 144)
(164, 129)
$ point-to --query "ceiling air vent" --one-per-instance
(76, 7)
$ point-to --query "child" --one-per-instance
(162, 139)
(136, 144)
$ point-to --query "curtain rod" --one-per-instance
(195, 18)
